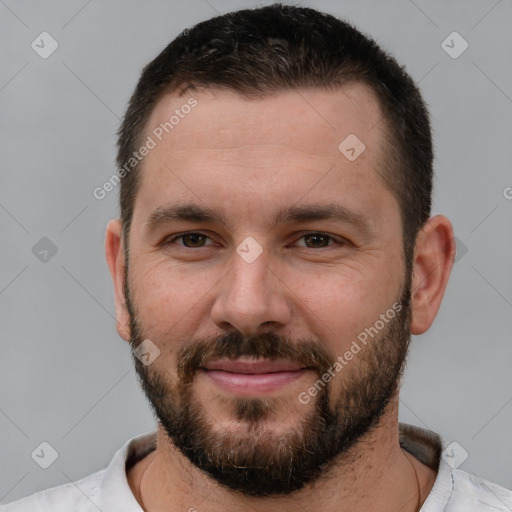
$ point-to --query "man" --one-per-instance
(274, 254)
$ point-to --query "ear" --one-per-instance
(114, 253)
(434, 255)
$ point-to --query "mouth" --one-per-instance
(250, 377)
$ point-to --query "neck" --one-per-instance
(376, 474)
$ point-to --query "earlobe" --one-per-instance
(114, 253)
(434, 254)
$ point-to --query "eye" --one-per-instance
(317, 240)
(190, 240)
(195, 240)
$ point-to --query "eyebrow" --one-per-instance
(295, 214)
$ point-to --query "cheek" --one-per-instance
(340, 303)
(168, 299)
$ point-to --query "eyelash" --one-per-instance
(170, 241)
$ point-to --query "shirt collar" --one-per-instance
(115, 493)
(423, 444)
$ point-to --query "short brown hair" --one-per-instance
(278, 47)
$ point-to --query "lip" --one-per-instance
(254, 377)
(254, 366)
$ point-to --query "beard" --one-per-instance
(254, 458)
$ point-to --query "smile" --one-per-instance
(252, 377)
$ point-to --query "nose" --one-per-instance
(251, 298)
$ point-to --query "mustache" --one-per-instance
(234, 345)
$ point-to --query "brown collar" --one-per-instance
(421, 443)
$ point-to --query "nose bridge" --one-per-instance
(249, 279)
(250, 294)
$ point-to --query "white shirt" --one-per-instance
(108, 490)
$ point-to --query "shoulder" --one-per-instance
(454, 490)
(80, 495)
(474, 493)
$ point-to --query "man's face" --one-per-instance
(295, 291)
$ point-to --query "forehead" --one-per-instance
(289, 144)
(300, 117)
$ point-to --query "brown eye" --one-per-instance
(190, 240)
(193, 239)
(317, 240)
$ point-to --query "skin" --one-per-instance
(247, 158)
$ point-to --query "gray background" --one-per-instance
(65, 375)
